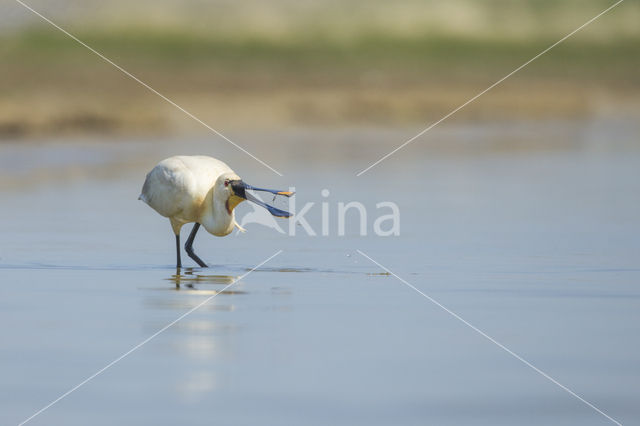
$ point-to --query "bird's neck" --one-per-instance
(215, 217)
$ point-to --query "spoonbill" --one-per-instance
(203, 190)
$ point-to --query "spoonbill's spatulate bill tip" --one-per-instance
(203, 190)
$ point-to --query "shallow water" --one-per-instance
(540, 250)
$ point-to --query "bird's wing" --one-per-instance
(169, 188)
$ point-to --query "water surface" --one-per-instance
(539, 249)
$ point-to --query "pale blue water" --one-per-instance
(539, 249)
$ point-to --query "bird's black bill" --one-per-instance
(240, 189)
(273, 210)
(273, 191)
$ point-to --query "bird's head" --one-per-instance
(234, 191)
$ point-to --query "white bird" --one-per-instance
(203, 190)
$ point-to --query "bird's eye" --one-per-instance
(226, 182)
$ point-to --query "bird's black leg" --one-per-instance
(178, 261)
(189, 246)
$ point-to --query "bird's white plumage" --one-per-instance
(203, 190)
(189, 189)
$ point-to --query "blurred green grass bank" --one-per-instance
(284, 63)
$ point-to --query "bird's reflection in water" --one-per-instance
(188, 279)
(205, 338)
